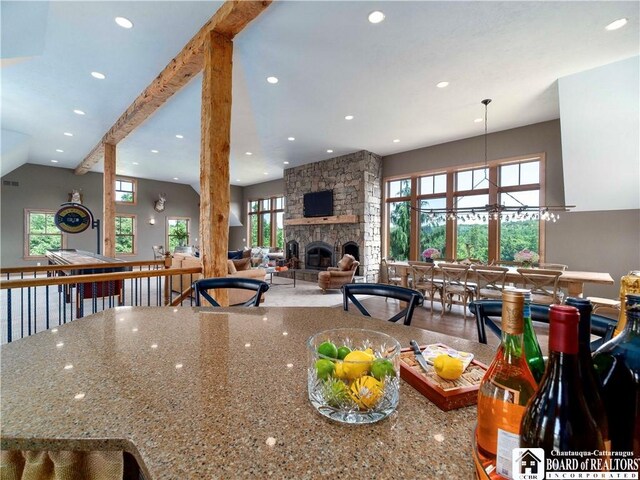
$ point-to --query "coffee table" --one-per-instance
(291, 273)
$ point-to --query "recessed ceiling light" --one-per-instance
(98, 75)
(272, 80)
(291, 139)
(248, 153)
(442, 84)
(135, 163)
(78, 112)
(237, 179)
(67, 134)
(59, 150)
(616, 24)
(179, 136)
(266, 173)
(376, 16)
(349, 117)
(54, 161)
(396, 140)
(329, 151)
(285, 162)
(478, 120)
(124, 22)
(176, 178)
(154, 151)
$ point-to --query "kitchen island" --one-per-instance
(219, 393)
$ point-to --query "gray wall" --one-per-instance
(43, 187)
(606, 241)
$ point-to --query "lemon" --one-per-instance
(328, 349)
(356, 364)
(369, 352)
(339, 370)
(365, 392)
(447, 367)
(324, 368)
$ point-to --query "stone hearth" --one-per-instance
(356, 181)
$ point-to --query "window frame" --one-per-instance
(494, 190)
(272, 211)
(134, 242)
(27, 232)
(166, 236)
(134, 183)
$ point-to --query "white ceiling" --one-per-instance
(330, 61)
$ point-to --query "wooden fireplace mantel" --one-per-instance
(322, 220)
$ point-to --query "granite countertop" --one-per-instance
(218, 394)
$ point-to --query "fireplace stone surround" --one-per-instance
(356, 180)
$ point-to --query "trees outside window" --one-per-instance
(177, 232)
(266, 222)
(126, 191)
(125, 234)
(41, 233)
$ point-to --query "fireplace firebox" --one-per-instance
(319, 256)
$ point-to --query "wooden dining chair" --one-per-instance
(490, 280)
(412, 298)
(422, 276)
(202, 286)
(543, 285)
(389, 274)
(455, 283)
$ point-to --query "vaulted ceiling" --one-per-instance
(330, 62)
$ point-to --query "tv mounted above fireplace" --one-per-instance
(318, 204)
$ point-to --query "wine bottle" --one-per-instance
(629, 285)
(618, 365)
(590, 381)
(505, 389)
(558, 417)
(532, 350)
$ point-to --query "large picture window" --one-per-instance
(266, 222)
(177, 232)
(41, 233)
(125, 234)
(410, 227)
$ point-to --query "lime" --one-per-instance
(343, 352)
(448, 367)
(324, 368)
(328, 349)
(381, 367)
(356, 364)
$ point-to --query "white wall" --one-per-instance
(600, 124)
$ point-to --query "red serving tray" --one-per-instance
(447, 395)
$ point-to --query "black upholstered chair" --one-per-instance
(202, 286)
(413, 298)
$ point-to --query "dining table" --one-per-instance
(219, 393)
(572, 280)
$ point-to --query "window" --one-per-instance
(126, 191)
(266, 222)
(125, 234)
(489, 238)
(177, 232)
(41, 233)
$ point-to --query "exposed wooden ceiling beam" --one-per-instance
(228, 21)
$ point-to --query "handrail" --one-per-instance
(83, 266)
(95, 278)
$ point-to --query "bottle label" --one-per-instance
(512, 318)
(507, 442)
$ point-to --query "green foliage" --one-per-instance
(43, 233)
(516, 236)
(124, 197)
(399, 231)
(39, 244)
(473, 241)
(178, 234)
(266, 229)
(124, 235)
(253, 240)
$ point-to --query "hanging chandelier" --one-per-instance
(517, 212)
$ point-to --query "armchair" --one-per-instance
(336, 277)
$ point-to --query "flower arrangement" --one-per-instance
(431, 253)
(526, 257)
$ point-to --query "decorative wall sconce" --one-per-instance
(152, 221)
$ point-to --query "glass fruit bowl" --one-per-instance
(353, 374)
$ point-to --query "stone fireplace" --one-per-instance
(319, 256)
(356, 181)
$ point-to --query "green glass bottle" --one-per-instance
(532, 350)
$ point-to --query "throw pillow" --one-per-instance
(231, 267)
(234, 254)
(244, 264)
(246, 253)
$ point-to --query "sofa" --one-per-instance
(336, 277)
(235, 268)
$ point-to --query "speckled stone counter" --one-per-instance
(218, 394)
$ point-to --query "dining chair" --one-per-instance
(455, 283)
(554, 266)
(543, 285)
(412, 298)
(490, 280)
(389, 274)
(488, 313)
(422, 275)
(202, 286)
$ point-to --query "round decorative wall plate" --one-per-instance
(73, 218)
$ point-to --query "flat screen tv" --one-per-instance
(318, 204)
